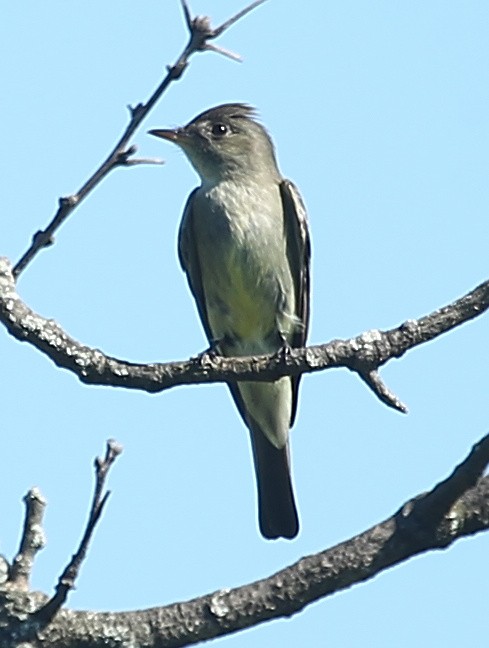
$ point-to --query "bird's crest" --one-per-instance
(227, 111)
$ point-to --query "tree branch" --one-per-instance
(32, 541)
(67, 580)
(201, 32)
(455, 508)
(363, 354)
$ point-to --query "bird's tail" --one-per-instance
(277, 512)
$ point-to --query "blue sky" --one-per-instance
(379, 114)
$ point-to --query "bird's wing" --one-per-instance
(299, 255)
(190, 262)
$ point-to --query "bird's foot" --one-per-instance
(285, 349)
(208, 355)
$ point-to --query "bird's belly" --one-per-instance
(241, 302)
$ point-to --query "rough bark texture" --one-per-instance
(363, 354)
(455, 508)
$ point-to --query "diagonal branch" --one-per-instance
(201, 32)
(67, 580)
(457, 507)
(363, 354)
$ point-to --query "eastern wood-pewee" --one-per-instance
(244, 245)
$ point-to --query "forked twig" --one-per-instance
(201, 32)
(457, 507)
(68, 578)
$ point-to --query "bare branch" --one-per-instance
(225, 25)
(125, 159)
(432, 507)
(363, 354)
(68, 578)
(187, 14)
(201, 32)
(136, 161)
(383, 393)
(225, 52)
(32, 541)
(455, 508)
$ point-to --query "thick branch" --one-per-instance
(433, 520)
(201, 32)
(363, 354)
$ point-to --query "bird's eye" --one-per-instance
(218, 130)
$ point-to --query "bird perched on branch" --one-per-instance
(244, 245)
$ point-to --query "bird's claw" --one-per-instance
(208, 355)
(285, 349)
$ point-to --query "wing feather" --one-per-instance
(296, 230)
(189, 260)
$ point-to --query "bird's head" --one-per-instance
(225, 141)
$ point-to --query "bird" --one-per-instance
(244, 245)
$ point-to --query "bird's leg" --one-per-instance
(208, 354)
(284, 350)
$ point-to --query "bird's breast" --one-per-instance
(240, 238)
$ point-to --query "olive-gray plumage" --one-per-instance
(244, 245)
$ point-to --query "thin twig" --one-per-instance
(68, 578)
(124, 158)
(32, 541)
(201, 32)
(373, 380)
(136, 161)
(227, 24)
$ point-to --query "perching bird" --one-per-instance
(244, 245)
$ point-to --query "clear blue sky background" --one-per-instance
(379, 111)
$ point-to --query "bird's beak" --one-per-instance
(177, 136)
